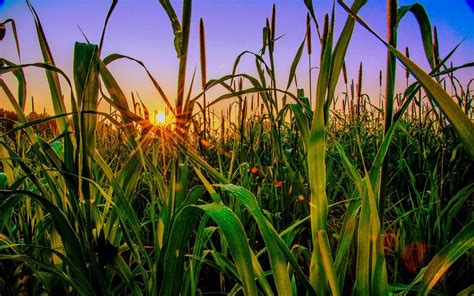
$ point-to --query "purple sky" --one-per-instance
(141, 29)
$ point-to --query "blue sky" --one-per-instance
(140, 28)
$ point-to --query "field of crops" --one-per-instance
(279, 192)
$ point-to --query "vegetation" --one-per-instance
(280, 194)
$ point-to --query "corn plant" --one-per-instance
(282, 194)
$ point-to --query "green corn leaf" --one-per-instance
(53, 78)
(339, 54)
(238, 245)
(20, 76)
(439, 265)
(69, 238)
(252, 206)
(15, 35)
(86, 81)
(363, 264)
(180, 231)
(328, 263)
(455, 205)
(302, 122)
(107, 18)
(177, 30)
(3, 181)
(317, 161)
(346, 238)
(294, 64)
(275, 254)
(421, 16)
(113, 57)
(459, 120)
(126, 274)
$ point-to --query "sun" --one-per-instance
(160, 118)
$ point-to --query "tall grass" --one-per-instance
(279, 195)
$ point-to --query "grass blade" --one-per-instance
(438, 266)
(461, 123)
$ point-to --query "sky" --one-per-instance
(141, 29)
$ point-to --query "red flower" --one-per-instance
(205, 143)
(413, 255)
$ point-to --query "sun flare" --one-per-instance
(160, 118)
